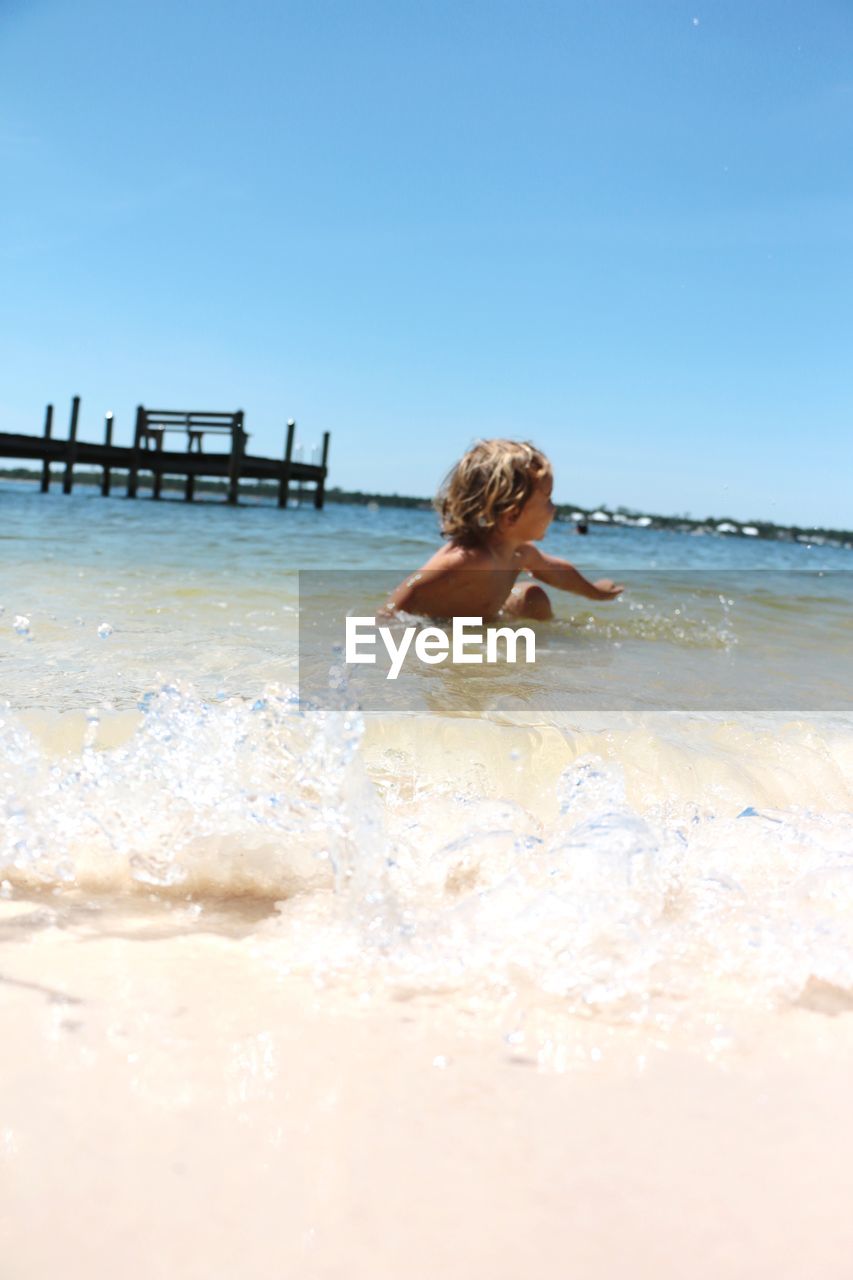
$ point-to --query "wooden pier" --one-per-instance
(150, 453)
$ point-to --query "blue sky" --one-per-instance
(621, 229)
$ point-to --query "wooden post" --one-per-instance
(320, 489)
(132, 475)
(71, 451)
(284, 477)
(108, 440)
(189, 488)
(158, 463)
(238, 445)
(48, 432)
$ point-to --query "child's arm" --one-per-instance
(564, 576)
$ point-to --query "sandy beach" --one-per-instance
(174, 1107)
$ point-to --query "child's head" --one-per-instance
(489, 486)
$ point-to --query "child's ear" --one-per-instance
(510, 516)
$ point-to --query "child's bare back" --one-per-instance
(494, 505)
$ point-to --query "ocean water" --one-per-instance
(650, 828)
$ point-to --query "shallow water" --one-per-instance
(581, 840)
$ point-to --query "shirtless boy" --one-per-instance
(494, 505)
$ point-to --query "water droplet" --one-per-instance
(105, 630)
(21, 625)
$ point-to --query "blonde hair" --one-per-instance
(494, 477)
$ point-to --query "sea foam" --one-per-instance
(636, 874)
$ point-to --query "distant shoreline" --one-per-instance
(602, 517)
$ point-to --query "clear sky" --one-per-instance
(621, 228)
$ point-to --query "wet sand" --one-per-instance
(174, 1106)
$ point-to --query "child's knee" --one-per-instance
(537, 604)
(530, 601)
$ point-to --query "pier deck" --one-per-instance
(190, 463)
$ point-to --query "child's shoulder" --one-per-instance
(455, 555)
(528, 556)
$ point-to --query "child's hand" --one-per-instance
(607, 590)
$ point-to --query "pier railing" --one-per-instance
(149, 453)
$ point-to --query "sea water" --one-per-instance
(652, 828)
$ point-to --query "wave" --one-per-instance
(622, 868)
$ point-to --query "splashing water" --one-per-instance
(593, 898)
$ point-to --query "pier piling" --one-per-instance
(133, 473)
(238, 448)
(284, 481)
(45, 466)
(71, 451)
(320, 487)
(158, 470)
(108, 440)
